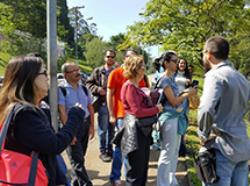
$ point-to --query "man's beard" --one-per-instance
(206, 65)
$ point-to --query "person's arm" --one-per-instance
(110, 104)
(62, 113)
(133, 99)
(30, 129)
(92, 84)
(168, 92)
(172, 99)
(92, 124)
(212, 91)
(61, 107)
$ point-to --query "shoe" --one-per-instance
(104, 157)
(110, 154)
(116, 183)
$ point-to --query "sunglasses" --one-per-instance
(110, 57)
(43, 73)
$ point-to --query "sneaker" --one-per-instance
(104, 157)
(110, 154)
(116, 183)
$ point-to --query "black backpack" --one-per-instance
(64, 91)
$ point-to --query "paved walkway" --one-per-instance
(99, 171)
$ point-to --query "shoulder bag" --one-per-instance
(16, 168)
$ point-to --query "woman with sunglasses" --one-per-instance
(25, 85)
(171, 120)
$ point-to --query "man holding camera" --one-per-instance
(226, 95)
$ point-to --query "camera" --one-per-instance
(195, 83)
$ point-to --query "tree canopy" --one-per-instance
(184, 25)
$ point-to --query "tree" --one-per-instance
(95, 52)
(6, 29)
(65, 30)
(184, 25)
(81, 27)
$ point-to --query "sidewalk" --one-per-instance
(99, 171)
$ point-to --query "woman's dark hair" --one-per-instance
(18, 84)
(157, 64)
(21, 72)
(168, 57)
(187, 73)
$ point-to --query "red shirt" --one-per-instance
(136, 102)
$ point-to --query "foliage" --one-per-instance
(29, 16)
(65, 30)
(184, 25)
(95, 52)
(82, 28)
(6, 30)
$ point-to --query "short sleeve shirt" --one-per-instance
(74, 96)
(168, 82)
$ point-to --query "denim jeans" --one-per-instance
(168, 158)
(230, 173)
(105, 130)
(117, 158)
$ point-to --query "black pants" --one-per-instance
(76, 154)
(137, 165)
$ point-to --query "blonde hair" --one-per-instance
(18, 84)
(132, 65)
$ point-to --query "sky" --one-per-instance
(112, 17)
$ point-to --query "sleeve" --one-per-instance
(89, 98)
(92, 84)
(31, 129)
(61, 97)
(164, 83)
(133, 99)
(212, 91)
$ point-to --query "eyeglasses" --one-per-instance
(110, 57)
(175, 61)
(73, 71)
(43, 73)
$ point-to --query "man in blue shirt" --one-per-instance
(225, 98)
(71, 93)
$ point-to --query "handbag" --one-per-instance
(194, 101)
(147, 121)
(19, 169)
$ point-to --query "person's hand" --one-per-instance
(74, 141)
(160, 107)
(91, 132)
(112, 119)
(190, 91)
(102, 92)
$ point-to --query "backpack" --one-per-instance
(156, 94)
(64, 91)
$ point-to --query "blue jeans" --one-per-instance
(105, 130)
(230, 173)
(117, 158)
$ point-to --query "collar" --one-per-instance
(67, 84)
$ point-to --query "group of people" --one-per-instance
(122, 108)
